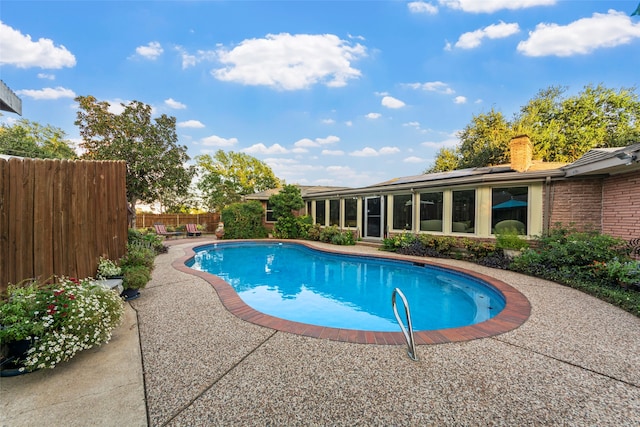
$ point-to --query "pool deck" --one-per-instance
(182, 358)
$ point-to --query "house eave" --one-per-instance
(446, 182)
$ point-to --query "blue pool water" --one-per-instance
(293, 282)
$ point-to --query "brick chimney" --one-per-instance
(521, 153)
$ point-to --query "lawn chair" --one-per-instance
(161, 230)
(192, 230)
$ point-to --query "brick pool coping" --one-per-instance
(516, 311)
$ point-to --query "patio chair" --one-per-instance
(192, 230)
(161, 230)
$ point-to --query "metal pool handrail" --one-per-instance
(408, 334)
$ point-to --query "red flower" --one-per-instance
(74, 280)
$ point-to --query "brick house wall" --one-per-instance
(621, 205)
(576, 203)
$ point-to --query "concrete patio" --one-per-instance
(575, 361)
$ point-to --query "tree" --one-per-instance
(485, 141)
(447, 159)
(31, 139)
(562, 129)
(226, 177)
(155, 162)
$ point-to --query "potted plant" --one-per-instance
(136, 265)
(58, 320)
(108, 269)
(18, 312)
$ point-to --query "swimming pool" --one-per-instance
(290, 281)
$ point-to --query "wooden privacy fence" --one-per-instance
(211, 220)
(57, 217)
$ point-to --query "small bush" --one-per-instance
(511, 240)
(344, 238)
(147, 239)
(138, 255)
(314, 231)
(478, 249)
(135, 276)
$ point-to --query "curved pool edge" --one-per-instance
(516, 311)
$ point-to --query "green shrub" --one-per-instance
(327, 233)
(135, 276)
(344, 238)
(511, 240)
(441, 244)
(147, 239)
(398, 241)
(314, 231)
(244, 221)
(291, 227)
(479, 249)
(138, 255)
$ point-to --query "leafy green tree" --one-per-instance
(447, 159)
(155, 161)
(562, 129)
(226, 177)
(30, 139)
(485, 141)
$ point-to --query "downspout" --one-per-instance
(546, 219)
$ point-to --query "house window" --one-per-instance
(351, 212)
(334, 212)
(463, 211)
(402, 212)
(431, 211)
(269, 213)
(320, 213)
(509, 209)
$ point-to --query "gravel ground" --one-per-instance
(576, 361)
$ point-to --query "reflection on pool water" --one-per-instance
(293, 282)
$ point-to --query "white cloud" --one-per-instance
(370, 152)
(172, 103)
(582, 36)
(151, 51)
(47, 93)
(422, 7)
(451, 142)
(331, 139)
(218, 141)
(373, 116)
(348, 123)
(332, 153)
(438, 87)
(306, 142)
(328, 121)
(195, 124)
(291, 62)
(263, 149)
(46, 76)
(460, 100)
(494, 31)
(309, 143)
(413, 159)
(192, 59)
(389, 150)
(391, 102)
(19, 50)
(488, 6)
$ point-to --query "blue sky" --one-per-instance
(346, 93)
